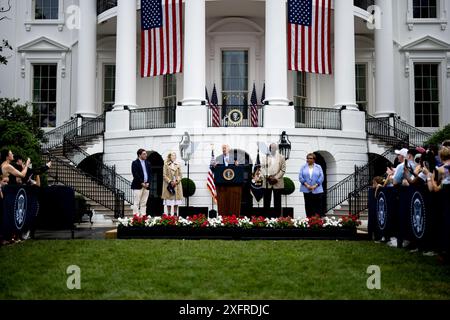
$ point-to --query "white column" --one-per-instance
(277, 113)
(126, 54)
(87, 59)
(192, 113)
(344, 55)
(384, 59)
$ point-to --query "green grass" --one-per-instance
(172, 269)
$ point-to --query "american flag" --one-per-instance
(309, 47)
(214, 105)
(210, 179)
(254, 108)
(161, 37)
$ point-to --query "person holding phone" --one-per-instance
(402, 156)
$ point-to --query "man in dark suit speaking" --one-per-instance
(141, 170)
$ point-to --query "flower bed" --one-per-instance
(232, 227)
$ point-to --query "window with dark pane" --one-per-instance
(425, 9)
(109, 86)
(300, 96)
(46, 9)
(44, 93)
(234, 77)
(426, 94)
(169, 97)
(361, 86)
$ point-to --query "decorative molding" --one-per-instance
(22, 64)
(63, 64)
(407, 64)
(448, 64)
(253, 26)
(374, 64)
(427, 43)
(43, 44)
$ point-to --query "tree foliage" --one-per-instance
(440, 136)
(19, 130)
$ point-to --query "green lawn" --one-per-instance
(173, 269)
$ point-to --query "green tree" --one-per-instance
(440, 136)
(19, 130)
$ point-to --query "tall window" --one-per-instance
(234, 77)
(109, 86)
(46, 9)
(169, 97)
(300, 89)
(300, 96)
(44, 93)
(169, 90)
(361, 86)
(426, 87)
(424, 9)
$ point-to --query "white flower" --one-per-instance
(124, 222)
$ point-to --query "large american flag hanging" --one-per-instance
(254, 108)
(161, 37)
(309, 26)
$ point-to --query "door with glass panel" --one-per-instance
(234, 81)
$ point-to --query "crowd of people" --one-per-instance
(421, 166)
(15, 171)
(268, 175)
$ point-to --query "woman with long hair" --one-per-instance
(172, 192)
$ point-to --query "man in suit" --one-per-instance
(141, 170)
(273, 168)
(226, 159)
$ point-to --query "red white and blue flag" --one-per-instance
(161, 37)
(254, 108)
(309, 25)
(214, 106)
(210, 183)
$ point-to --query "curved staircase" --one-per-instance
(107, 193)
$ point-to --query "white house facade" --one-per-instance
(81, 58)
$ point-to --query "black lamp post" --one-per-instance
(284, 145)
(186, 152)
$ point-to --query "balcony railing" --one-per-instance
(152, 118)
(317, 118)
(104, 5)
(235, 116)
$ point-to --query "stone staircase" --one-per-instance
(67, 150)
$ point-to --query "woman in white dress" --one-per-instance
(172, 192)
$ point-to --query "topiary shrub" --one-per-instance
(289, 186)
(184, 183)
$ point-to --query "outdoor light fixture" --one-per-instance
(284, 145)
(186, 147)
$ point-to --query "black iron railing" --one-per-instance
(104, 5)
(417, 138)
(317, 118)
(55, 137)
(381, 129)
(235, 116)
(104, 175)
(354, 187)
(88, 130)
(153, 118)
(82, 182)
